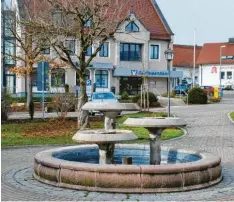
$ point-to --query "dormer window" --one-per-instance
(132, 27)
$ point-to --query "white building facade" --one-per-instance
(121, 63)
(216, 64)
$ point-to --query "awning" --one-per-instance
(97, 65)
(121, 71)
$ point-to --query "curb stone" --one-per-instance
(229, 116)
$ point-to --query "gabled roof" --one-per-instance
(183, 55)
(150, 15)
(210, 53)
(146, 11)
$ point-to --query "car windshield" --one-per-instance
(103, 96)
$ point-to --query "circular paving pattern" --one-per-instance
(23, 179)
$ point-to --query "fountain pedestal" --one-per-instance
(106, 153)
(155, 125)
(106, 140)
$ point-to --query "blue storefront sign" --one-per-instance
(148, 73)
(121, 71)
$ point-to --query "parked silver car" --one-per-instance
(102, 97)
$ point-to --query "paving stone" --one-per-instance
(208, 128)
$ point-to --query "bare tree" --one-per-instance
(29, 42)
(88, 22)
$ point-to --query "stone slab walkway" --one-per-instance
(208, 129)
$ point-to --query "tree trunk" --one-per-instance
(83, 115)
(29, 88)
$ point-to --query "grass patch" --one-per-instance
(232, 115)
(60, 132)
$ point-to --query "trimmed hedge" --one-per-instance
(197, 96)
(152, 98)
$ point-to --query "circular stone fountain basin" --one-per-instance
(103, 136)
(184, 170)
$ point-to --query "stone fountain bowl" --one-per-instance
(155, 122)
(51, 167)
(103, 136)
(110, 107)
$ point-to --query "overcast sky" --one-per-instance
(213, 20)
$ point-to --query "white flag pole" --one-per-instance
(194, 56)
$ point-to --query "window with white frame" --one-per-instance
(132, 27)
(154, 52)
(101, 78)
(89, 51)
(70, 45)
(104, 52)
(222, 75)
(57, 77)
(229, 75)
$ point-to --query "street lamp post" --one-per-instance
(220, 79)
(169, 57)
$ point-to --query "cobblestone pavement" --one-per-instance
(208, 129)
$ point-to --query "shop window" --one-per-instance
(87, 77)
(101, 78)
(154, 51)
(130, 52)
(89, 51)
(222, 75)
(57, 78)
(229, 75)
(132, 27)
(70, 46)
(34, 77)
(104, 52)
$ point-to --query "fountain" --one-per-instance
(155, 125)
(110, 110)
(98, 166)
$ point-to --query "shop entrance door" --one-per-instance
(132, 85)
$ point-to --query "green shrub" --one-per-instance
(197, 96)
(152, 98)
(155, 104)
(166, 94)
(31, 109)
(124, 95)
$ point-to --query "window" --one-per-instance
(88, 24)
(132, 27)
(89, 51)
(34, 77)
(222, 75)
(57, 77)
(154, 51)
(101, 78)
(87, 77)
(9, 51)
(229, 75)
(130, 52)
(104, 52)
(46, 51)
(70, 45)
(10, 27)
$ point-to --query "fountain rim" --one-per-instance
(207, 160)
